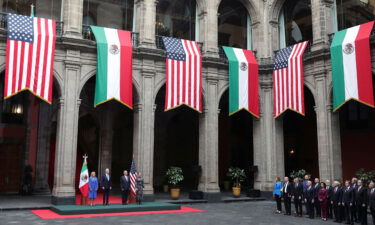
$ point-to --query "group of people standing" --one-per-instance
(106, 185)
(345, 203)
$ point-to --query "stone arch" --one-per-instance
(275, 10)
(250, 7)
(221, 92)
(311, 88)
(92, 73)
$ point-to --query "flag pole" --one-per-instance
(32, 10)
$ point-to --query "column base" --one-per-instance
(212, 197)
(148, 198)
(63, 200)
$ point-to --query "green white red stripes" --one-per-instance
(243, 81)
(351, 66)
(84, 179)
(114, 68)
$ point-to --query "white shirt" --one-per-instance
(107, 176)
(286, 185)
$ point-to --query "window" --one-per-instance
(176, 19)
(295, 24)
(116, 14)
(50, 9)
(354, 12)
(234, 25)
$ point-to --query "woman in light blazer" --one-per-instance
(278, 185)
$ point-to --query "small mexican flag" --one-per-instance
(351, 66)
(84, 179)
(114, 69)
(243, 81)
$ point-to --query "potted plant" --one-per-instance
(365, 176)
(174, 176)
(298, 174)
(237, 175)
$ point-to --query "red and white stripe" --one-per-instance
(288, 83)
(184, 79)
(133, 176)
(30, 65)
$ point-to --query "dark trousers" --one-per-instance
(355, 213)
(372, 210)
(337, 212)
(106, 196)
(317, 207)
(298, 205)
(348, 213)
(362, 214)
(330, 210)
(310, 209)
(278, 202)
(288, 205)
(125, 195)
(342, 213)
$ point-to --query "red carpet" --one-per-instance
(47, 214)
(99, 199)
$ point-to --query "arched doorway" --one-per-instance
(235, 142)
(176, 143)
(105, 134)
(300, 139)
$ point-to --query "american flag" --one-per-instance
(30, 56)
(183, 74)
(133, 176)
(288, 79)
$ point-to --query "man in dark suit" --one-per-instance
(304, 184)
(354, 208)
(371, 200)
(297, 195)
(309, 200)
(125, 187)
(287, 195)
(106, 186)
(316, 200)
(330, 193)
(336, 201)
(347, 202)
(361, 202)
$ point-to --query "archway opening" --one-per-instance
(235, 143)
(300, 139)
(176, 143)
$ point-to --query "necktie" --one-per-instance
(372, 191)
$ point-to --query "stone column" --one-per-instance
(321, 11)
(329, 153)
(208, 17)
(268, 140)
(42, 160)
(143, 138)
(208, 144)
(67, 131)
(145, 18)
(72, 17)
(106, 140)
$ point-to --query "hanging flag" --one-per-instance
(183, 74)
(351, 66)
(84, 178)
(133, 176)
(29, 56)
(288, 80)
(243, 81)
(114, 68)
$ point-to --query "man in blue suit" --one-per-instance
(106, 186)
(125, 187)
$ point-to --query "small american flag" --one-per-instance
(133, 176)
(288, 79)
(30, 56)
(183, 74)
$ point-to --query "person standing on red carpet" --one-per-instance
(106, 186)
(93, 188)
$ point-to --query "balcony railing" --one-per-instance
(89, 35)
(4, 24)
(160, 45)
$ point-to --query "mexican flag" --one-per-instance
(351, 66)
(243, 81)
(114, 68)
(84, 179)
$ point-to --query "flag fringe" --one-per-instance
(245, 109)
(354, 99)
(293, 110)
(181, 104)
(115, 99)
(33, 93)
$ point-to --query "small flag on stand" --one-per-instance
(133, 176)
(84, 178)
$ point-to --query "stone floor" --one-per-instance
(239, 213)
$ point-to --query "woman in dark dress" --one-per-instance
(323, 200)
(139, 185)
